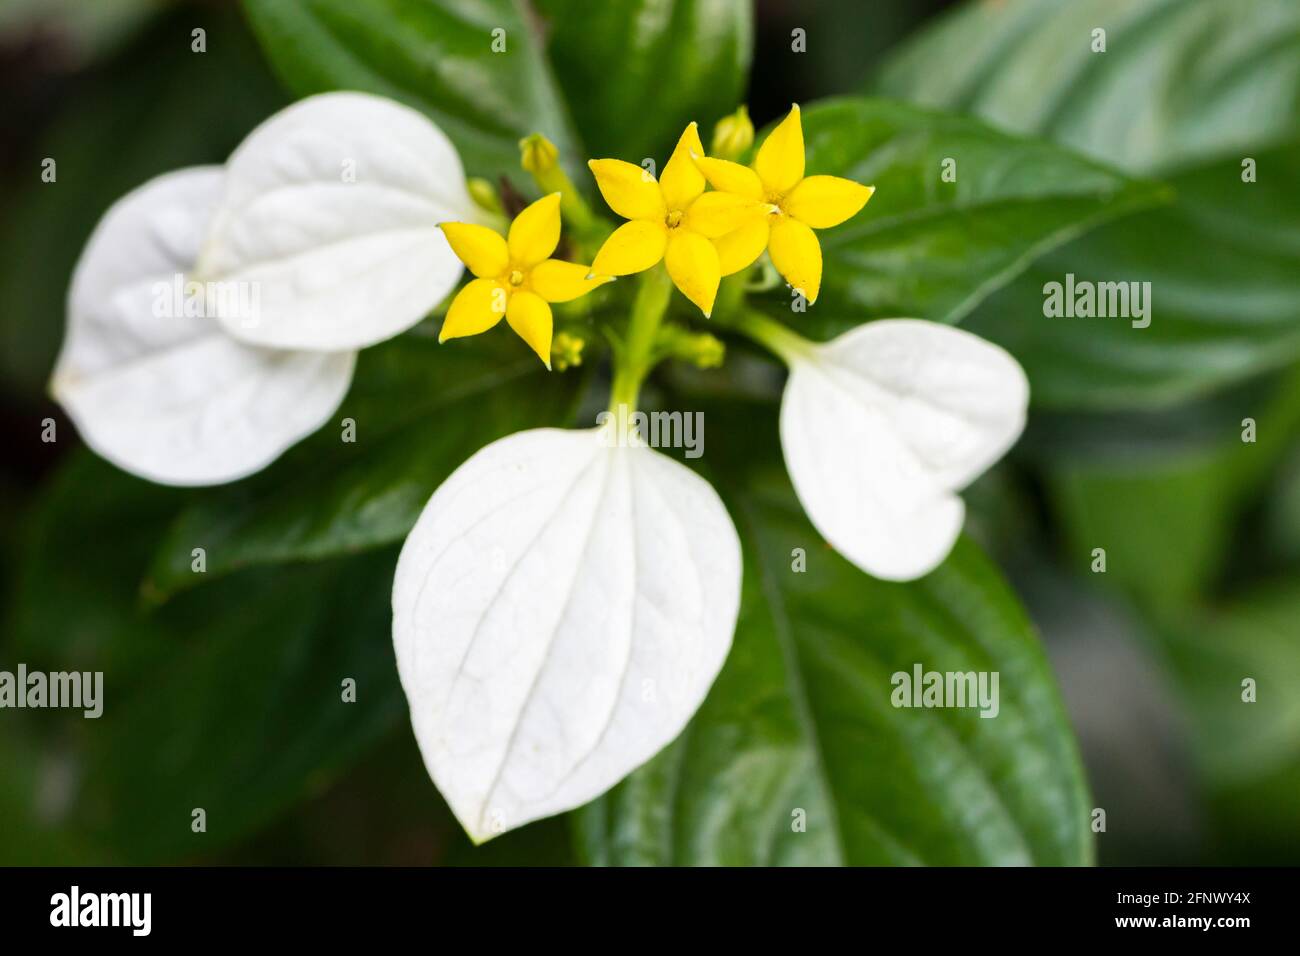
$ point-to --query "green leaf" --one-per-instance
(435, 55)
(1192, 87)
(1212, 653)
(1281, 513)
(1165, 510)
(637, 72)
(74, 598)
(1179, 79)
(800, 724)
(934, 249)
(1224, 304)
(419, 408)
(229, 698)
(246, 714)
(118, 133)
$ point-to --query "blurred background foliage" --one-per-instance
(1134, 444)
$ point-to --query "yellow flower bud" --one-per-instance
(537, 154)
(484, 194)
(566, 351)
(541, 160)
(732, 135)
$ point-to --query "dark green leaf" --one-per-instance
(435, 55)
(420, 409)
(933, 249)
(637, 72)
(800, 721)
(1191, 86)
(74, 599)
(1224, 268)
(1179, 79)
(246, 713)
(1212, 653)
(1165, 509)
(229, 698)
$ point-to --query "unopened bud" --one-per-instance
(733, 135)
(566, 351)
(541, 160)
(484, 195)
(537, 154)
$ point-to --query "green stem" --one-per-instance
(772, 335)
(634, 359)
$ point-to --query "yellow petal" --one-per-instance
(629, 190)
(681, 181)
(742, 247)
(692, 262)
(535, 232)
(530, 316)
(632, 247)
(797, 255)
(558, 281)
(729, 177)
(476, 308)
(480, 248)
(825, 201)
(716, 214)
(779, 162)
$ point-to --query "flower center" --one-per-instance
(516, 277)
(674, 219)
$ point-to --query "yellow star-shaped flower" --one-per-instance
(515, 277)
(670, 219)
(802, 204)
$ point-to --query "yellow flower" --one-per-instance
(803, 203)
(671, 218)
(515, 277)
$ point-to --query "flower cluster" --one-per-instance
(567, 597)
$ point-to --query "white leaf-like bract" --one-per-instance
(883, 425)
(153, 382)
(559, 613)
(331, 210)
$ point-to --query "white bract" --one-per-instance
(882, 426)
(559, 613)
(332, 208)
(150, 371)
(175, 399)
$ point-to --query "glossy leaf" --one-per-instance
(932, 249)
(1224, 299)
(1198, 89)
(798, 757)
(435, 55)
(418, 409)
(677, 60)
(229, 699)
(1178, 80)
